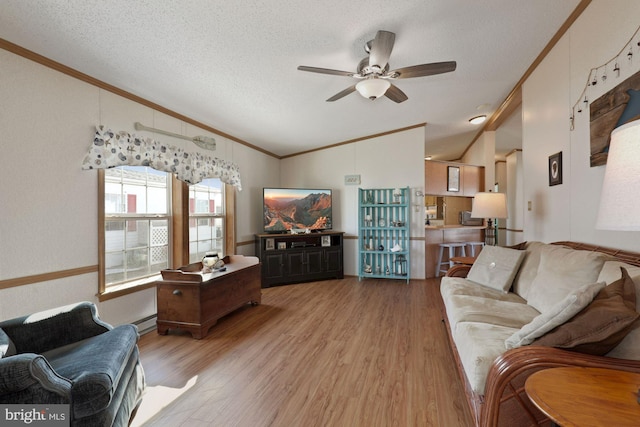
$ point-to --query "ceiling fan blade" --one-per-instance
(342, 94)
(424, 70)
(381, 49)
(395, 94)
(325, 71)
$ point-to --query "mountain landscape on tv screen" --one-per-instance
(312, 212)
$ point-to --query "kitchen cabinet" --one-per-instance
(452, 179)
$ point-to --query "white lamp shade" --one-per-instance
(372, 88)
(489, 205)
(620, 197)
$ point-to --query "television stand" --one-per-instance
(297, 258)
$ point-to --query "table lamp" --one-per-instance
(619, 201)
(489, 206)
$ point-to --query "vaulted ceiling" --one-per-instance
(232, 65)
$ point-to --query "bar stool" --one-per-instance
(472, 247)
(452, 253)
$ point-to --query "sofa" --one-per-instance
(533, 306)
(68, 356)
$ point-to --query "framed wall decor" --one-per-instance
(555, 169)
(270, 244)
(453, 178)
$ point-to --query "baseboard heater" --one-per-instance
(147, 324)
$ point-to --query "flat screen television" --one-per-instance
(284, 209)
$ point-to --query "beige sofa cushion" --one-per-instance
(629, 348)
(464, 308)
(560, 272)
(481, 319)
(528, 268)
(461, 286)
(478, 345)
(561, 312)
(496, 267)
(467, 301)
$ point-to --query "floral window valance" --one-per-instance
(110, 149)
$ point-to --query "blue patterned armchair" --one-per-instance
(69, 356)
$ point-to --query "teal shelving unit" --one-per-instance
(383, 233)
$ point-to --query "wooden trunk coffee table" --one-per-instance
(194, 301)
(577, 396)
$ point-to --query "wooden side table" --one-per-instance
(577, 396)
(465, 260)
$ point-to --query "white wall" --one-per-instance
(48, 205)
(568, 211)
(515, 200)
(482, 153)
(501, 181)
(390, 161)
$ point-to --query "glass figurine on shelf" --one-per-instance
(368, 198)
(366, 267)
(397, 194)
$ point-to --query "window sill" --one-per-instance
(127, 288)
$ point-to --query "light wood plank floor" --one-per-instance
(329, 353)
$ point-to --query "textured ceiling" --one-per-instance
(233, 64)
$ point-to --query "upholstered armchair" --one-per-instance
(69, 356)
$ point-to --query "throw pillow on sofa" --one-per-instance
(600, 326)
(496, 267)
(560, 272)
(564, 310)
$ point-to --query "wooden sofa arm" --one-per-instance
(458, 270)
(505, 400)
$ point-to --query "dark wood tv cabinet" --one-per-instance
(194, 301)
(297, 258)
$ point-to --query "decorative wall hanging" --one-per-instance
(612, 106)
(555, 169)
(613, 109)
(110, 149)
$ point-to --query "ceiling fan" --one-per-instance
(373, 71)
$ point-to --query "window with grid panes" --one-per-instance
(137, 223)
(206, 219)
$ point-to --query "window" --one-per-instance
(137, 221)
(150, 221)
(206, 219)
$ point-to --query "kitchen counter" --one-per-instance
(436, 234)
(455, 226)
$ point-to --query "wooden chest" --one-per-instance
(194, 301)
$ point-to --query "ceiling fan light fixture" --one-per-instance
(477, 119)
(372, 88)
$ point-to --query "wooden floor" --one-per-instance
(330, 353)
